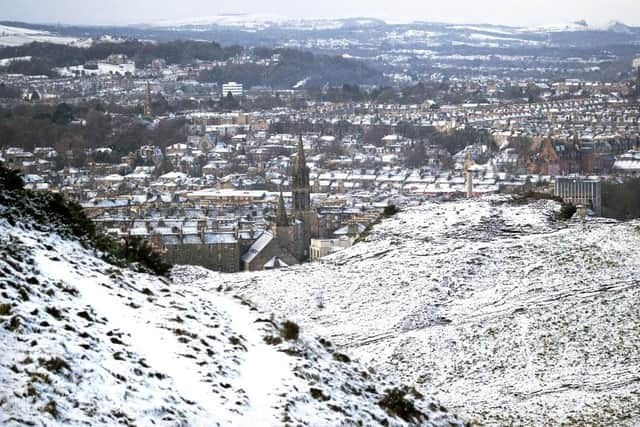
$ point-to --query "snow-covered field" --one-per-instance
(85, 343)
(502, 314)
(15, 36)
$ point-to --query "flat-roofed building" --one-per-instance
(580, 191)
(236, 89)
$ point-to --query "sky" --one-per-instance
(509, 12)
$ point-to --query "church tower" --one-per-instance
(301, 206)
(301, 191)
(289, 234)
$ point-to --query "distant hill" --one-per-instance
(273, 31)
(416, 50)
(292, 66)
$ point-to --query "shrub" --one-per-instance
(52, 212)
(396, 404)
(390, 210)
(341, 357)
(5, 309)
(290, 331)
(54, 312)
(14, 324)
(325, 343)
(51, 408)
(318, 394)
(271, 340)
(567, 211)
(31, 391)
(184, 333)
(139, 250)
(55, 364)
(132, 250)
(10, 179)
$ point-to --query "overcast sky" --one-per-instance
(514, 12)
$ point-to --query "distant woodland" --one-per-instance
(46, 56)
(76, 128)
(296, 66)
(292, 67)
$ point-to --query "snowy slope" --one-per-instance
(86, 343)
(252, 22)
(507, 317)
(15, 36)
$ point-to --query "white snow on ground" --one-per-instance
(15, 36)
(505, 316)
(301, 83)
(87, 343)
(7, 61)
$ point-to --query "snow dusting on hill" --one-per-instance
(87, 343)
(17, 36)
(506, 316)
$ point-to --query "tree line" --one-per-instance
(293, 67)
(47, 56)
(86, 126)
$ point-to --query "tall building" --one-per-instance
(236, 89)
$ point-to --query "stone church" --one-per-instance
(288, 241)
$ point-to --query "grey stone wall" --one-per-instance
(217, 257)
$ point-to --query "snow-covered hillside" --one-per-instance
(16, 36)
(507, 317)
(86, 343)
(253, 22)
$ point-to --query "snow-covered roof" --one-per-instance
(219, 238)
(275, 262)
(258, 246)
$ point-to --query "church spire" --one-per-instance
(300, 172)
(300, 182)
(300, 162)
(281, 213)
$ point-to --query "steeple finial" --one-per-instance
(281, 213)
(300, 182)
(300, 160)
